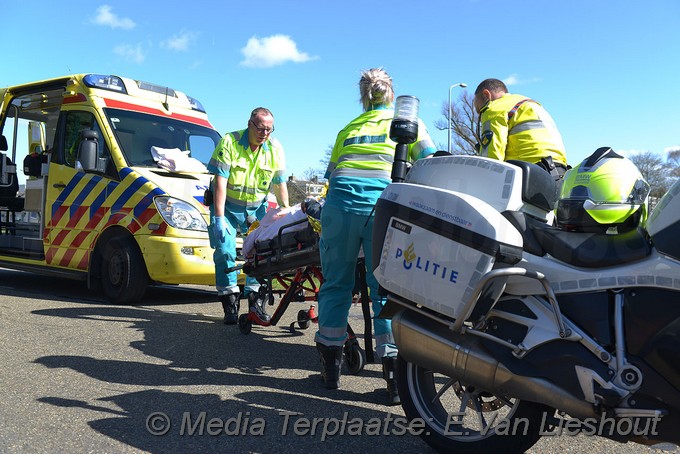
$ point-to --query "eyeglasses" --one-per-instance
(262, 130)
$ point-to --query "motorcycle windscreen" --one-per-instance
(663, 224)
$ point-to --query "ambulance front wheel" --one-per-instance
(124, 276)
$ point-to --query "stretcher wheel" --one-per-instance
(303, 319)
(354, 357)
(245, 325)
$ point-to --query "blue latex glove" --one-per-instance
(220, 228)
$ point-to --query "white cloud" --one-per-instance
(179, 42)
(107, 18)
(272, 51)
(131, 53)
(635, 151)
(195, 65)
(513, 79)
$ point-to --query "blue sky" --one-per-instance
(607, 71)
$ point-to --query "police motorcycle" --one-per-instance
(510, 329)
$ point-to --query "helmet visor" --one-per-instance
(610, 213)
(609, 192)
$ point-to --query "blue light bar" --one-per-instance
(112, 83)
(195, 105)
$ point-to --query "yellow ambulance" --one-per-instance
(102, 179)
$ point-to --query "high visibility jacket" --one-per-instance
(360, 166)
(249, 173)
(516, 127)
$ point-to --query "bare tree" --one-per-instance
(673, 161)
(326, 159)
(462, 118)
(654, 170)
(310, 172)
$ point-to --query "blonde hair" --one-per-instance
(375, 87)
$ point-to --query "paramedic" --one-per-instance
(358, 171)
(244, 164)
(519, 128)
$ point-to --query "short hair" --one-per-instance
(375, 87)
(260, 110)
(493, 85)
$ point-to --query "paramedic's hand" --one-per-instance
(220, 228)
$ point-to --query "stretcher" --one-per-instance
(291, 258)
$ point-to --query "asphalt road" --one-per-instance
(79, 375)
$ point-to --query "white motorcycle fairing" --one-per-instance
(482, 289)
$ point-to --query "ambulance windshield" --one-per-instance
(137, 132)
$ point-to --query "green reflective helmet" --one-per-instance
(605, 190)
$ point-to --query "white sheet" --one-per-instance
(270, 225)
(177, 160)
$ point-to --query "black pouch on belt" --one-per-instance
(208, 197)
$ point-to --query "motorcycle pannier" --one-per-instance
(437, 244)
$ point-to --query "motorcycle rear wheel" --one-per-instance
(459, 418)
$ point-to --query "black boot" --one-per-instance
(230, 304)
(256, 304)
(331, 362)
(389, 364)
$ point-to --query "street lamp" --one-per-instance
(448, 117)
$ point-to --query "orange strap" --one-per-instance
(512, 111)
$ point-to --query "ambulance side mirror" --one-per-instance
(87, 150)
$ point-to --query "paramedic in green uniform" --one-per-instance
(358, 171)
(245, 164)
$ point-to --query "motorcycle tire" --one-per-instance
(510, 425)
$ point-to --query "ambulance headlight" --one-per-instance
(180, 215)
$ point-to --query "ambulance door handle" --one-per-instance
(59, 185)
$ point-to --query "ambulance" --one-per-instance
(102, 179)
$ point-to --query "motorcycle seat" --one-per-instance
(538, 186)
(585, 250)
(523, 223)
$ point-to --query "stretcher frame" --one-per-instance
(298, 270)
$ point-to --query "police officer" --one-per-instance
(516, 127)
(358, 171)
(245, 164)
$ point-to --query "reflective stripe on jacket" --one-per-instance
(363, 148)
(361, 161)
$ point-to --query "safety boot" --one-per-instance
(256, 304)
(230, 304)
(389, 364)
(331, 362)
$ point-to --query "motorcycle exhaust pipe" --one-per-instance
(430, 344)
